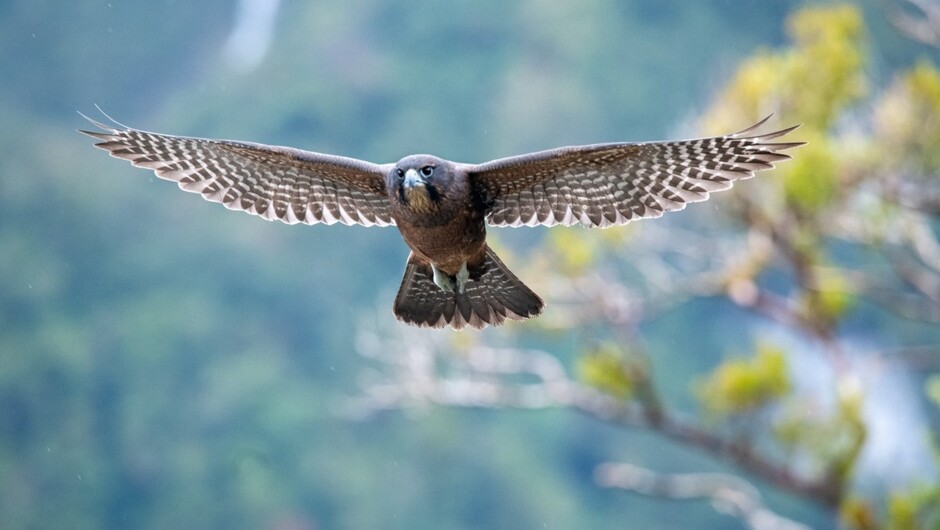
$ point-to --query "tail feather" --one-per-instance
(492, 295)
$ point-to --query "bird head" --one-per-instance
(419, 182)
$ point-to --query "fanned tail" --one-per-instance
(492, 295)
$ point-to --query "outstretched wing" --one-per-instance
(613, 184)
(281, 183)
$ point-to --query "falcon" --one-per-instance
(442, 208)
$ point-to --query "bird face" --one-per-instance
(419, 182)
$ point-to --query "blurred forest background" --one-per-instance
(770, 358)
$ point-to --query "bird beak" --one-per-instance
(412, 179)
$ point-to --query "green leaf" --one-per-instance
(810, 180)
(741, 385)
(606, 369)
(932, 388)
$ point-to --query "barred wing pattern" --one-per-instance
(612, 184)
(275, 183)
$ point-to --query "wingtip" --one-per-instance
(781, 132)
(101, 125)
(112, 120)
(94, 134)
(750, 133)
(754, 127)
(778, 146)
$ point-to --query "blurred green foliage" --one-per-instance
(810, 183)
(826, 63)
(612, 370)
(932, 387)
(908, 120)
(826, 302)
(575, 252)
(811, 82)
(742, 385)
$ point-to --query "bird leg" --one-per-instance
(462, 276)
(442, 279)
(450, 283)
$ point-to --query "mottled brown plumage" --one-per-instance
(452, 278)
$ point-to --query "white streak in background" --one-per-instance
(250, 38)
(897, 451)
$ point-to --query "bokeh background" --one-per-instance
(166, 363)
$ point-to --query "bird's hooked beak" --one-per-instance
(417, 192)
(413, 179)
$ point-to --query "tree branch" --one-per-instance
(487, 377)
(727, 493)
(919, 20)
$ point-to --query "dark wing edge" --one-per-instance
(604, 185)
(272, 182)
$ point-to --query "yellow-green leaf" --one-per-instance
(606, 370)
(740, 385)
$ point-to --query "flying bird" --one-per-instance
(442, 208)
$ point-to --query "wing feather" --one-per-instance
(272, 182)
(612, 184)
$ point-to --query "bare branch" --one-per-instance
(918, 19)
(727, 493)
(428, 373)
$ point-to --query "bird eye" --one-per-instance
(401, 173)
(427, 170)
